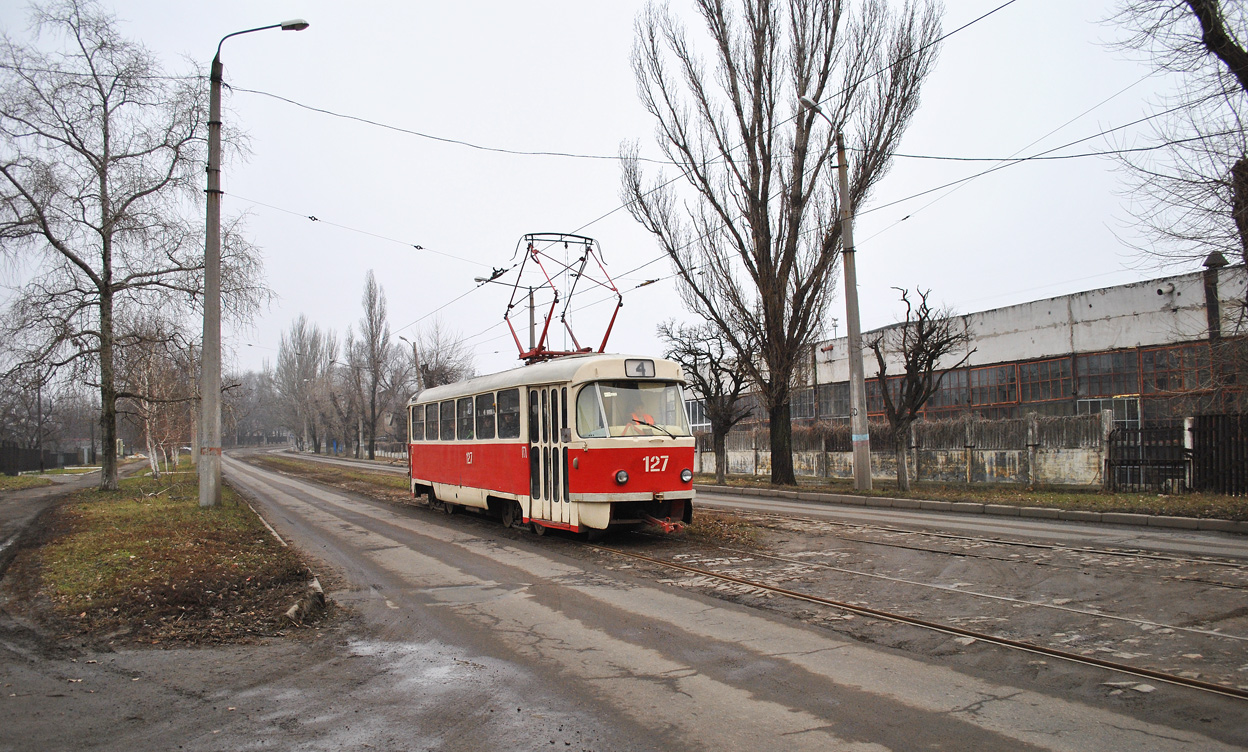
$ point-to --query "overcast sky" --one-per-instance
(549, 75)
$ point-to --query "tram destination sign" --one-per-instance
(639, 369)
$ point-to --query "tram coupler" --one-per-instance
(667, 526)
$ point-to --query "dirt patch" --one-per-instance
(146, 565)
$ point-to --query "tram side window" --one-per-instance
(485, 416)
(416, 421)
(448, 420)
(431, 422)
(509, 414)
(463, 419)
(535, 417)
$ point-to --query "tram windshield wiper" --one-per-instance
(661, 428)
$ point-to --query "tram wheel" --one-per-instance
(448, 507)
(593, 534)
(511, 514)
(538, 530)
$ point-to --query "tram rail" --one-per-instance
(1005, 642)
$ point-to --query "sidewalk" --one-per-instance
(1003, 510)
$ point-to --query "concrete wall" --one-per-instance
(1068, 451)
(1052, 467)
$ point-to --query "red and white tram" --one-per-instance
(580, 443)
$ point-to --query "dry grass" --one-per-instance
(146, 563)
(19, 482)
(379, 485)
(721, 528)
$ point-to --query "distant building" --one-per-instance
(1152, 352)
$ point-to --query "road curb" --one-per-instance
(1004, 510)
(312, 603)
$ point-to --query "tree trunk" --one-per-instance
(372, 424)
(782, 445)
(903, 470)
(721, 456)
(108, 394)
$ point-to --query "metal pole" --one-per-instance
(210, 366)
(532, 323)
(210, 373)
(857, 383)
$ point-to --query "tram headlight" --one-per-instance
(621, 477)
(686, 475)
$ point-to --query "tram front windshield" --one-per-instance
(631, 408)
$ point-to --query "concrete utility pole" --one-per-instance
(210, 373)
(857, 382)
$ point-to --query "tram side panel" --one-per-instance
(466, 473)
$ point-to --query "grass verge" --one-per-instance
(379, 485)
(1210, 506)
(147, 564)
(19, 482)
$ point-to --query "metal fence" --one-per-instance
(1147, 459)
(15, 459)
(1220, 454)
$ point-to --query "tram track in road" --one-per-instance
(1125, 555)
(1162, 669)
(949, 629)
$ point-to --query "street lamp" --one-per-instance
(420, 383)
(210, 373)
(857, 382)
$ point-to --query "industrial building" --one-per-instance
(1153, 352)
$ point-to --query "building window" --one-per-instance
(875, 400)
(1108, 374)
(994, 385)
(1126, 410)
(953, 392)
(696, 409)
(1185, 368)
(1045, 380)
(834, 400)
(802, 403)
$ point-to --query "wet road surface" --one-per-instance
(609, 662)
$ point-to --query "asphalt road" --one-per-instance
(594, 659)
(457, 634)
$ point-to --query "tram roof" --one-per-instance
(574, 368)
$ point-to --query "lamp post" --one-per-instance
(857, 382)
(210, 373)
(420, 382)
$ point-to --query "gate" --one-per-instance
(1147, 459)
(1220, 454)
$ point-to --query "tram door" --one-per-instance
(548, 454)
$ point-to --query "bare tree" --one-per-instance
(1192, 189)
(444, 358)
(304, 364)
(755, 242)
(922, 338)
(715, 375)
(97, 148)
(376, 351)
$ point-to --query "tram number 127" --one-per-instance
(655, 463)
